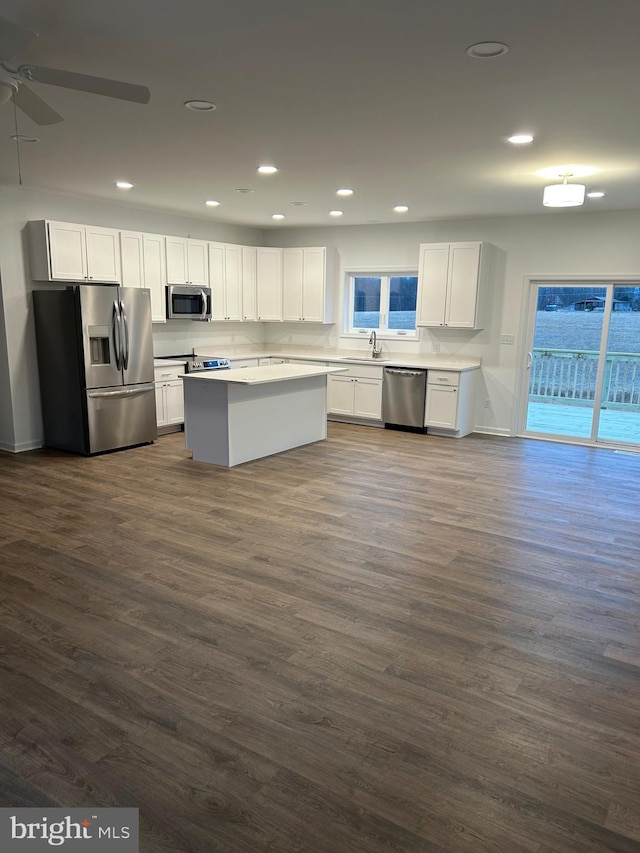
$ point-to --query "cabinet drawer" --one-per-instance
(166, 374)
(364, 371)
(443, 377)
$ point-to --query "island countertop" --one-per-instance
(261, 375)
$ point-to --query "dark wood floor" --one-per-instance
(382, 642)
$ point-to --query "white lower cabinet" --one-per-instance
(450, 401)
(356, 393)
(243, 362)
(169, 398)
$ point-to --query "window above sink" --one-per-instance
(382, 301)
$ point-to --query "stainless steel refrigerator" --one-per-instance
(95, 358)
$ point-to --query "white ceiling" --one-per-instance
(377, 95)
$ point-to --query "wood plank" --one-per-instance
(385, 641)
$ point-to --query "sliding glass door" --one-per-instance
(583, 367)
(620, 400)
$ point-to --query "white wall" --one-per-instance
(20, 418)
(563, 243)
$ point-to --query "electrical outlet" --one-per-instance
(507, 339)
(487, 402)
(435, 346)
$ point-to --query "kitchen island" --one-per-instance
(234, 416)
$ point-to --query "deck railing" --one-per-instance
(569, 376)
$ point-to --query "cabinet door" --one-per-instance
(249, 306)
(216, 281)
(432, 284)
(198, 262)
(161, 404)
(292, 284)
(269, 283)
(177, 269)
(67, 255)
(340, 395)
(233, 287)
(131, 257)
(441, 407)
(174, 402)
(368, 398)
(155, 274)
(464, 266)
(314, 285)
(103, 254)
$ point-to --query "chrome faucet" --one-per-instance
(376, 351)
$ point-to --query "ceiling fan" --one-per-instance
(13, 86)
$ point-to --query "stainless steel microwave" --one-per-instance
(188, 302)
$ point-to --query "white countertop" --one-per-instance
(169, 362)
(427, 361)
(260, 375)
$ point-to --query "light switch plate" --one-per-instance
(507, 339)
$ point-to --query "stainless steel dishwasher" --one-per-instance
(403, 397)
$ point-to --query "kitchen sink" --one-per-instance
(365, 360)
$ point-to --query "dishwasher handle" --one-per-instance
(397, 371)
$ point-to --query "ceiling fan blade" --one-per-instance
(33, 105)
(13, 39)
(85, 83)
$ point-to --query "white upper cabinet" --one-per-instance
(143, 265)
(308, 284)
(131, 259)
(248, 256)
(65, 251)
(225, 281)
(269, 283)
(453, 281)
(155, 274)
(187, 261)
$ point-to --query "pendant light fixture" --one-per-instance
(564, 194)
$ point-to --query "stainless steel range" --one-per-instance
(200, 363)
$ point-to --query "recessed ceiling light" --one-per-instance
(487, 49)
(299, 203)
(20, 138)
(401, 208)
(277, 216)
(344, 192)
(124, 185)
(267, 170)
(212, 203)
(200, 106)
(244, 190)
(336, 212)
(595, 194)
(521, 139)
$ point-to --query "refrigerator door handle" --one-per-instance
(125, 326)
(123, 392)
(117, 343)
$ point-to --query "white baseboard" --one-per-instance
(20, 448)
(494, 431)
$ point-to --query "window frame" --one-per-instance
(381, 271)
